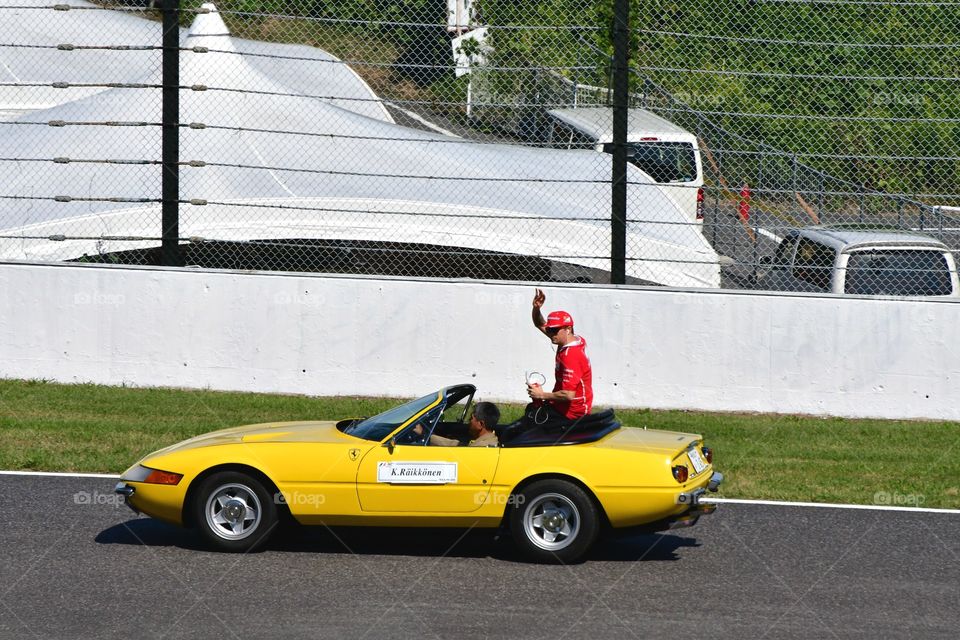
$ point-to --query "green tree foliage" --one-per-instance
(871, 84)
(866, 92)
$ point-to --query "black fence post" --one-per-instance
(170, 154)
(821, 198)
(760, 175)
(793, 179)
(618, 199)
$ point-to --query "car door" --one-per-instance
(406, 474)
(426, 479)
(813, 266)
(776, 275)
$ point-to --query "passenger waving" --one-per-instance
(572, 395)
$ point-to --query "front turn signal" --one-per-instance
(163, 477)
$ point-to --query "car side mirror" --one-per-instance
(391, 444)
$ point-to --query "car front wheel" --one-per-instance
(234, 511)
(554, 521)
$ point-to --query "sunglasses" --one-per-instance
(554, 331)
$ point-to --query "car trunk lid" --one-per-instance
(671, 443)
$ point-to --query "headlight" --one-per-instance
(141, 473)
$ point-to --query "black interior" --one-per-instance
(589, 428)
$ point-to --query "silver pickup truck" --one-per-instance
(861, 261)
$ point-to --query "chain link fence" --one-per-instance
(777, 144)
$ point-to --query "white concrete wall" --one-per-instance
(363, 336)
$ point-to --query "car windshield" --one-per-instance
(901, 272)
(380, 426)
(665, 161)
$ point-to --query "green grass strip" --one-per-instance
(91, 428)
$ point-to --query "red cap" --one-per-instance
(559, 319)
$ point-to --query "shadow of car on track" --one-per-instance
(150, 533)
(433, 542)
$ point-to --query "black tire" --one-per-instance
(555, 509)
(234, 511)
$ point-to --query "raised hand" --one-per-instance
(539, 298)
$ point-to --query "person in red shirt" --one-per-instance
(572, 395)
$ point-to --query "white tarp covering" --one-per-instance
(357, 175)
(126, 49)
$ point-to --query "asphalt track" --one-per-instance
(75, 564)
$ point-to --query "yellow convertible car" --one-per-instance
(555, 491)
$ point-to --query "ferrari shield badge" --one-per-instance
(353, 453)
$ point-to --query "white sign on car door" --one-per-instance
(417, 472)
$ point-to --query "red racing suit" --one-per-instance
(574, 374)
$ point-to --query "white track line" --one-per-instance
(773, 503)
(828, 505)
(58, 474)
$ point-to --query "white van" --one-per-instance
(667, 153)
(860, 260)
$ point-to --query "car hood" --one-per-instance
(317, 431)
(649, 440)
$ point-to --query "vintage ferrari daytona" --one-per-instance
(555, 491)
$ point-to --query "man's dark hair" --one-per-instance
(487, 413)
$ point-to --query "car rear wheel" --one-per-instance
(234, 511)
(554, 521)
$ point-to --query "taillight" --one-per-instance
(700, 203)
(680, 473)
(708, 454)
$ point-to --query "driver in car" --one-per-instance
(483, 421)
